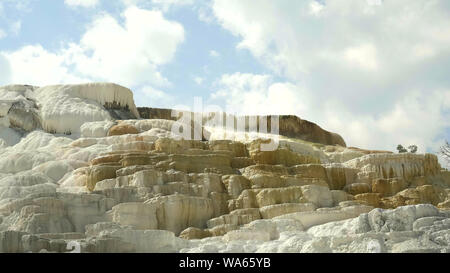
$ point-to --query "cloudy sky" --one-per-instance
(374, 71)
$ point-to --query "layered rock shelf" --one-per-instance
(81, 165)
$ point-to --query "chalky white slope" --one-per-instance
(78, 166)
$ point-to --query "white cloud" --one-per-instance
(214, 53)
(108, 51)
(342, 25)
(34, 65)
(359, 66)
(404, 123)
(82, 3)
(148, 95)
(198, 80)
(128, 53)
(5, 70)
(374, 2)
(315, 7)
(363, 56)
(249, 94)
(415, 119)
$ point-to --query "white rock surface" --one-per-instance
(351, 235)
(65, 108)
(96, 128)
(142, 188)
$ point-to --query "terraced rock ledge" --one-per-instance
(78, 165)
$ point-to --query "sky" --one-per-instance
(374, 71)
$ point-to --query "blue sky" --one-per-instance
(374, 71)
(52, 23)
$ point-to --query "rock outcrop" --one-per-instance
(289, 126)
(65, 108)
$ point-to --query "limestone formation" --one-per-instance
(281, 157)
(139, 215)
(122, 129)
(388, 187)
(98, 173)
(83, 169)
(289, 126)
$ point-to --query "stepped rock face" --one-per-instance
(390, 166)
(124, 181)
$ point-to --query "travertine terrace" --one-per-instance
(82, 164)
